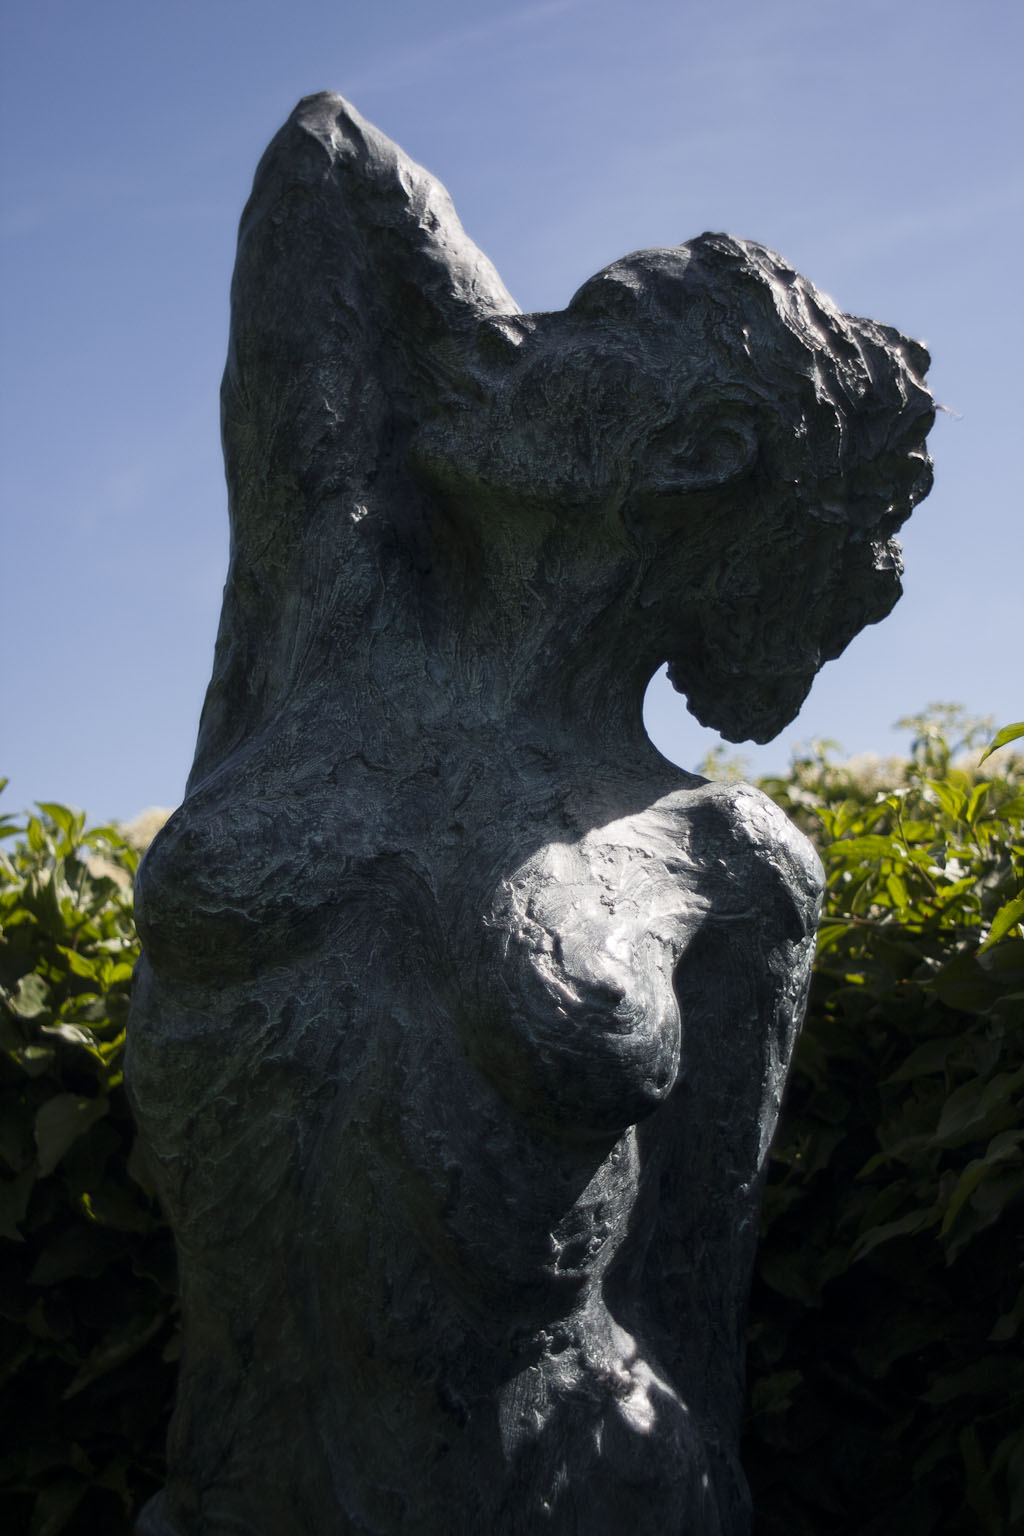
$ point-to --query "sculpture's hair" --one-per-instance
(858, 386)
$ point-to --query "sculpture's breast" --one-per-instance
(254, 870)
(588, 1026)
(579, 1021)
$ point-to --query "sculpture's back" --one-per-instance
(463, 1019)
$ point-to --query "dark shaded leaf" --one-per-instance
(60, 1121)
(56, 1504)
(82, 1250)
(14, 1197)
(979, 1109)
(118, 1346)
(990, 1374)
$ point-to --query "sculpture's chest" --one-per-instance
(576, 1015)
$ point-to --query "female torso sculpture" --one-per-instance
(464, 1017)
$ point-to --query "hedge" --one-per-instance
(87, 1283)
(885, 1364)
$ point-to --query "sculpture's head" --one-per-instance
(700, 458)
(757, 449)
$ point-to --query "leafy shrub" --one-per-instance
(87, 1294)
(886, 1375)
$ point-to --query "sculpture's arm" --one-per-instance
(353, 271)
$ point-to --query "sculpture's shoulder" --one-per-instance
(743, 844)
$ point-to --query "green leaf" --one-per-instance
(60, 1121)
(118, 1207)
(980, 1497)
(14, 1197)
(913, 1222)
(115, 1348)
(975, 802)
(1009, 1456)
(926, 1059)
(963, 984)
(70, 822)
(35, 1059)
(1008, 916)
(1007, 1325)
(80, 965)
(774, 1393)
(799, 1275)
(72, 1034)
(17, 1144)
(80, 1251)
(31, 997)
(975, 1109)
(951, 798)
(55, 1506)
(1001, 1149)
(1009, 810)
(868, 849)
(991, 1376)
(36, 836)
(1003, 738)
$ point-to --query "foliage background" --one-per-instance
(87, 1282)
(885, 1368)
(886, 1378)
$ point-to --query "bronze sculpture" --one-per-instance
(464, 1017)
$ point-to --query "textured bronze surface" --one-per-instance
(464, 1017)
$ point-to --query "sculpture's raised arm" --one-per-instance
(463, 1018)
(354, 279)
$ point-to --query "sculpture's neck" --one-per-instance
(449, 709)
(418, 643)
(513, 659)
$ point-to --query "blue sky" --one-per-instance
(875, 143)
